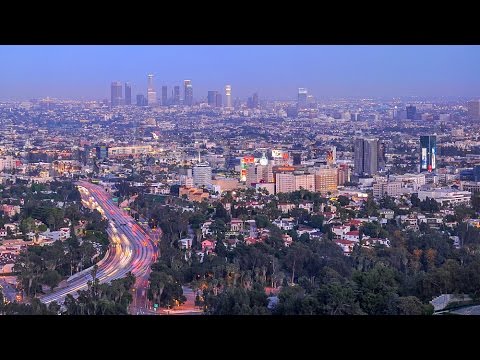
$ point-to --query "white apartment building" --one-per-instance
(387, 188)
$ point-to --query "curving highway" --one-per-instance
(131, 248)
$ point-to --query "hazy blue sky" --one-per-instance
(272, 71)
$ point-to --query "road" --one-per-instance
(131, 249)
(140, 304)
(469, 310)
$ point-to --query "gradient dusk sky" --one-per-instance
(275, 72)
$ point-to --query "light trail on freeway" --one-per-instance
(131, 248)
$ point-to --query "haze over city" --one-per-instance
(274, 72)
(239, 180)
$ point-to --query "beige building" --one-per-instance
(473, 187)
(305, 181)
(326, 180)
(259, 173)
(284, 182)
(288, 182)
(226, 184)
(343, 175)
(393, 188)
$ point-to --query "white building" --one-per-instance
(285, 223)
(202, 175)
(446, 196)
(387, 188)
(412, 180)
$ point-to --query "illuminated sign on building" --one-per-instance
(433, 158)
(245, 163)
(277, 154)
(248, 159)
(284, 168)
(428, 146)
(424, 158)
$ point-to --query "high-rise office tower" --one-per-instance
(297, 158)
(176, 95)
(228, 96)
(366, 156)
(101, 151)
(212, 97)
(302, 98)
(218, 100)
(358, 156)
(382, 159)
(141, 100)
(151, 93)
(411, 112)
(255, 101)
(370, 156)
(164, 96)
(188, 95)
(428, 153)
(128, 94)
(310, 101)
(202, 174)
(474, 109)
(116, 93)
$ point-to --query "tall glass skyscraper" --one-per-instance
(212, 98)
(176, 95)
(164, 96)
(218, 100)
(128, 94)
(151, 93)
(366, 156)
(188, 92)
(411, 112)
(228, 96)
(116, 93)
(428, 153)
(302, 98)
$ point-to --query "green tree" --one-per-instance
(411, 305)
(377, 289)
(316, 221)
(343, 200)
(262, 221)
(51, 278)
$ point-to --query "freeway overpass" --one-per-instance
(131, 248)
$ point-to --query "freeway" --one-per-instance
(131, 248)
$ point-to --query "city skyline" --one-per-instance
(274, 72)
